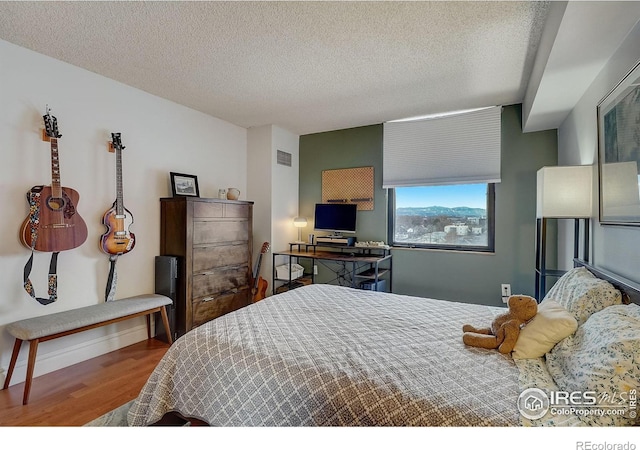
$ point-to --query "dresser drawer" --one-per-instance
(236, 211)
(219, 280)
(202, 209)
(219, 256)
(211, 232)
(210, 307)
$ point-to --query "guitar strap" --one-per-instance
(34, 216)
(112, 280)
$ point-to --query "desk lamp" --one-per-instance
(299, 222)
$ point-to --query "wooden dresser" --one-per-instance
(212, 239)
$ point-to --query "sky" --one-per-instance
(471, 195)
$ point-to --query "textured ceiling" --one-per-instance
(305, 66)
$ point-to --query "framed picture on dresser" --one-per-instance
(183, 184)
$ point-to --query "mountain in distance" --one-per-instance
(430, 211)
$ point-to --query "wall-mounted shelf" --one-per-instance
(349, 200)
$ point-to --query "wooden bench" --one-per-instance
(52, 326)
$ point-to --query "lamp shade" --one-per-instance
(300, 222)
(564, 192)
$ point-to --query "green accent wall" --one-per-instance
(458, 276)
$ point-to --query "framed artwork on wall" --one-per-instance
(619, 152)
(183, 184)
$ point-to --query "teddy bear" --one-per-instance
(505, 328)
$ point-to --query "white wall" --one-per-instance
(615, 248)
(285, 189)
(259, 176)
(274, 188)
(160, 136)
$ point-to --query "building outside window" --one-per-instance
(448, 217)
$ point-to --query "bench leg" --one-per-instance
(33, 349)
(12, 364)
(148, 317)
(165, 321)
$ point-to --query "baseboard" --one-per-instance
(68, 356)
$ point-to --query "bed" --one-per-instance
(324, 355)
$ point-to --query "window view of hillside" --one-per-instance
(448, 216)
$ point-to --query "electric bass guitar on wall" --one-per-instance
(118, 240)
(259, 289)
(53, 224)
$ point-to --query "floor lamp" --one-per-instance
(563, 192)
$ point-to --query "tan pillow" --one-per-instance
(552, 324)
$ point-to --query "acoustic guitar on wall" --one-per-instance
(53, 224)
(117, 240)
(260, 285)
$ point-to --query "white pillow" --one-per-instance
(552, 324)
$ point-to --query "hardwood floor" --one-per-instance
(80, 393)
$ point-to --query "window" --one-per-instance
(451, 217)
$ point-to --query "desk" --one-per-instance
(364, 263)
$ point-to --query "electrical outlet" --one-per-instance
(506, 292)
(315, 269)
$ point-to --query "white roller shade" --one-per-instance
(456, 149)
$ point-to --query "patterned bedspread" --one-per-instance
(326, 355)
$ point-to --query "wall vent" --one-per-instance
(284, 158)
